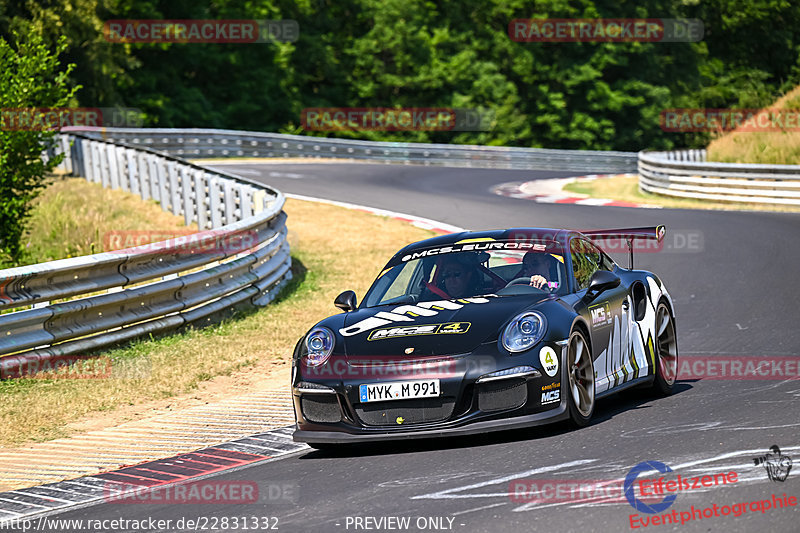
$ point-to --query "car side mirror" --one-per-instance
(601, 281)
(346, 301)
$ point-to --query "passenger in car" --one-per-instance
(537, 266)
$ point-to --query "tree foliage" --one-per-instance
(431, 53)
(30, 77)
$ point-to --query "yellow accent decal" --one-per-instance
(400, 420)
(482, 239)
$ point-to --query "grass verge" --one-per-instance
(72, 217)
(766, 147)
(626, 188)
(332, 249)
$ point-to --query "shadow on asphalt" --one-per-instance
(605, 410)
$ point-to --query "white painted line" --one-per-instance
(551, 199)
(479, 508)
(290, 175)
(447, 494)
(41, 497)
(24, 503)
(594, 201)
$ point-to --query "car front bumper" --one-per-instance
(469, 410)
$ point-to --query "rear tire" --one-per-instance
(666, 348)
(580, 388)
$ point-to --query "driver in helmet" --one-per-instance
(461, 275)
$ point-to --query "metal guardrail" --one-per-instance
(687, 174)
(154, 287)
(201, 143)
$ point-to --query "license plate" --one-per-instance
(398, 390)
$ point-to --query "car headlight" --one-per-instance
(524, 331)
(319, 346)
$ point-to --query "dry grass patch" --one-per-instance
(333, 249)
(767, 147)
(71, 217)
(626, 188)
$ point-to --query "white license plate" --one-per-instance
(398, 390)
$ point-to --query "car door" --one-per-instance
(608, 315)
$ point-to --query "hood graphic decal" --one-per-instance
(407, 313)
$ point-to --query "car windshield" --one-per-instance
(468, 274)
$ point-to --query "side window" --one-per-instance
(586, 260)
(396, 282)
(606, 263)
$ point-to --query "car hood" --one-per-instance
(454, 327)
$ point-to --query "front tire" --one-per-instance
(666, 352)
(580, 369)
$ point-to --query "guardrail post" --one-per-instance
(246, 201)
(122, 168)
(229, 195)
(78, 168)
(144, 176)
(89, 159)
(187, 186)
(174, 194)
(201, 199)
(65, 149)
(215, 202)
(161, 172)
(103, 163)
(133, 174)
(113, 166)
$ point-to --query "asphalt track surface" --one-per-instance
(734, 280)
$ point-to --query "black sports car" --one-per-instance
(482, 331)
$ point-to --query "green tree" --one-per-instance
(102, 68)
(30, 77)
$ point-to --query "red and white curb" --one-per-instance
(551, 191)
(18, 507)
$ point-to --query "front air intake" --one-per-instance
(501, 395)
(321, 408)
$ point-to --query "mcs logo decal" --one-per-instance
(601, 315)
(448, 328)
(552, 396)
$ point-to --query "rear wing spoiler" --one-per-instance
(629, 234)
